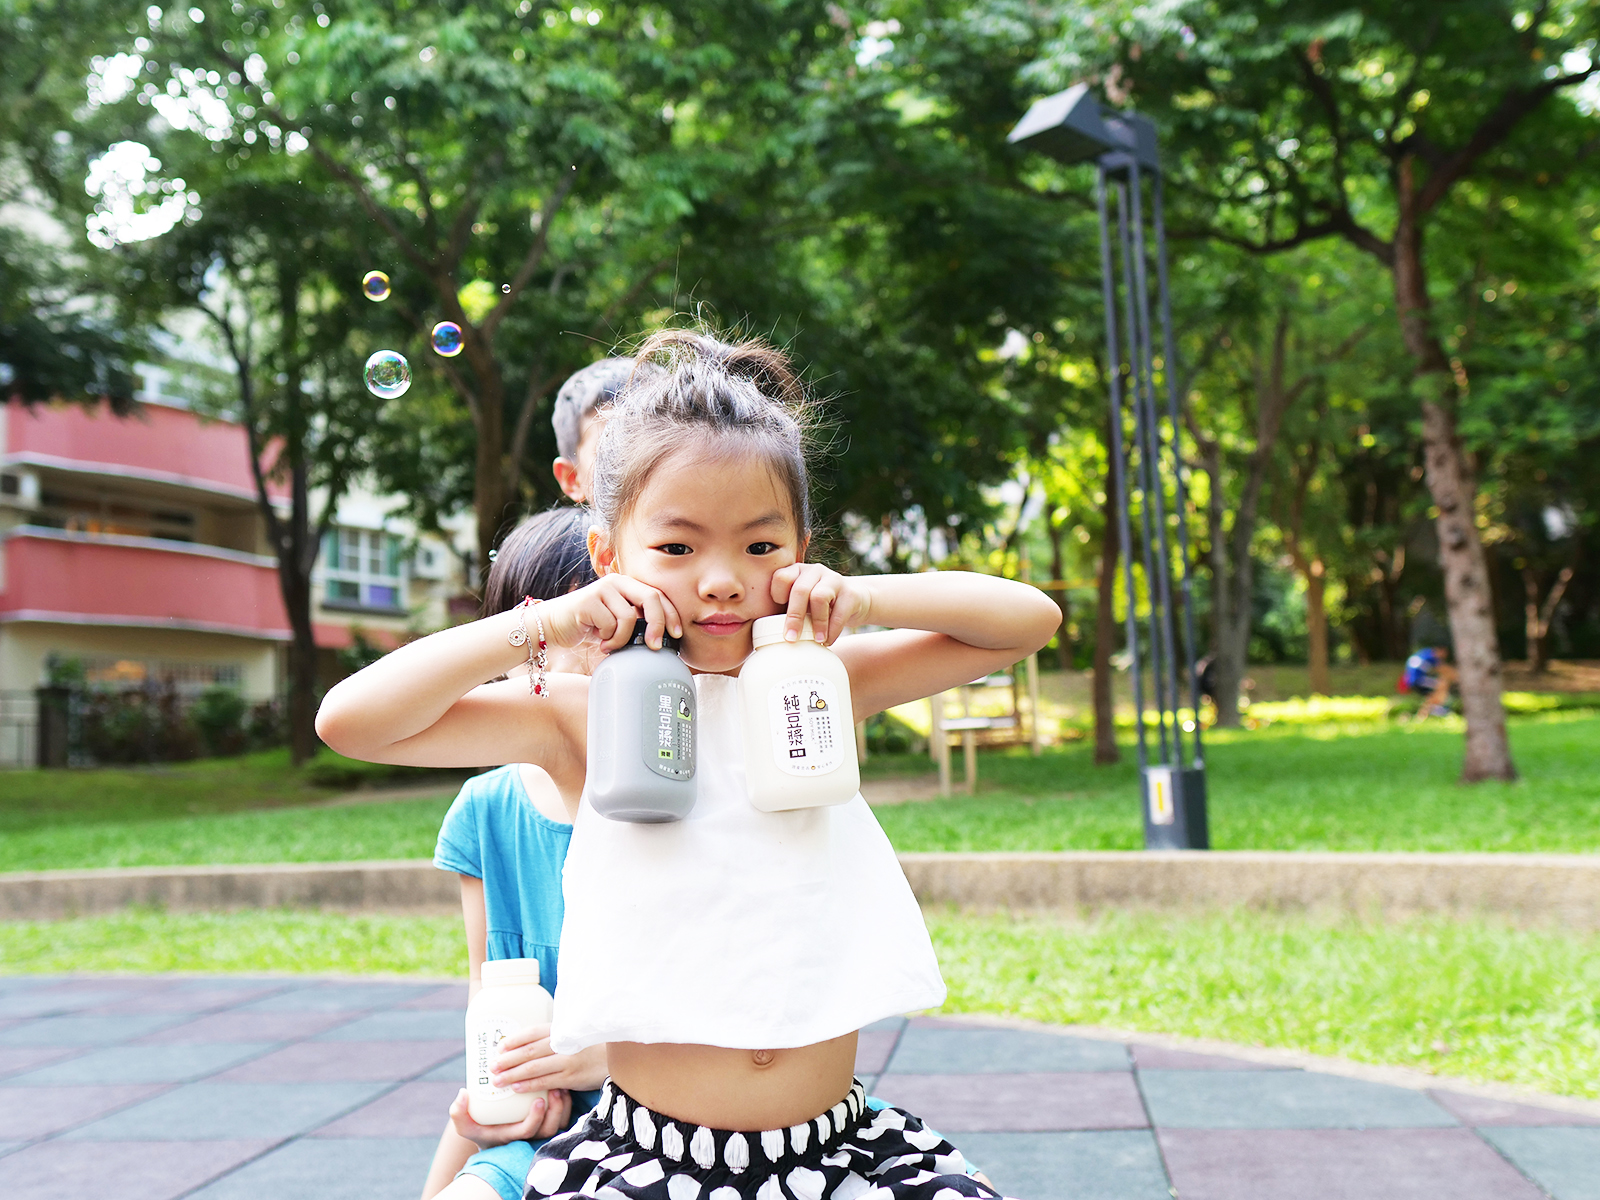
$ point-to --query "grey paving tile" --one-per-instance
(1338, 1164)
(58, 1000)
(28, 1113)
(84, 1031)
(1161, 1058)
(1564, 1161)
(418, 1109)
(895, 1024)
(1116, 1164)
(365, 1169)
(451, 1069)
(1018, 1103)
(1283, 1100)
(223, 1111)
(7, 1147)
(953, 1051)
(1480, 1110)
(339, 997)
(236, 1026)
(427, 1025)
(128, 1170)
(872, 1050)
(25, 1058)
(354, 1062)
(450, 995)
(142, 1064)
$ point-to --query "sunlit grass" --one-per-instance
(1473, 999)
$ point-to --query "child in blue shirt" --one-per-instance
(506, 835)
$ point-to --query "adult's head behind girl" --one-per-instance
(701, 487)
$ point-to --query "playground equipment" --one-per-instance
(1070, 127)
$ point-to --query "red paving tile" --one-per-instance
(1339, 1164)
(335, 1062)
(418, 1109)
(1019, 1103)
(25, 1058)
(33, 1112)
(251, 1027)
(126, 1170)
(1480, 1110)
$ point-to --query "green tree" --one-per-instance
(1310, 120)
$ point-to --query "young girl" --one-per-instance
(727, 960)
(506, 836)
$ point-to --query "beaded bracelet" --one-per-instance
(538, 658)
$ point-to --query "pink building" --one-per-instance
(135, 546)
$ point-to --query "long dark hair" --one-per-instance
(545, 556)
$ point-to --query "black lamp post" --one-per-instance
(1146, 462)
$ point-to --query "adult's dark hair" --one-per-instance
(545, 556)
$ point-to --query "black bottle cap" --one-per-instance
(668, 642)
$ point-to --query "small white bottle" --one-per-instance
(509, 999)
(799, 731)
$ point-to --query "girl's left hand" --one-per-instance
(833, 601)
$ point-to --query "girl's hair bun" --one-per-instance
(691, 388)
(749, 359)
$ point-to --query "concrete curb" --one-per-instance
(1532, 888)
(1536, 888)
(408, 885)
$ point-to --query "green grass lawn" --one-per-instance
(1472, 999)
(1357, 785)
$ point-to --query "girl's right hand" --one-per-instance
(605, 611)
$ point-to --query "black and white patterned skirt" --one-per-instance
(623, 1151)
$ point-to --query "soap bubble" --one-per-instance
(447, 339)
(375, 285)
(388, 374)
(506, 288)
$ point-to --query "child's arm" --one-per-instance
(946, 628)
(427, 704)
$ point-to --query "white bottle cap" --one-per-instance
(767, 630)
(500, 972)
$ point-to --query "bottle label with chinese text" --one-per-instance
(806, 738)
(669, 728)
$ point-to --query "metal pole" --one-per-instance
(1180, 470)
(1163, 578)
(1146, 467)
(1118, 468)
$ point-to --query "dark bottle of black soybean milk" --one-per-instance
(641, 733)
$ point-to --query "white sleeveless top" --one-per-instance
(736, 927)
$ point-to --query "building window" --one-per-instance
(361, 569)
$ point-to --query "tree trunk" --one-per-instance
(302, 699)
(491, 500)
(1454, 491)
(1315, 572)
(1317, 627)
(1105, 632)
(1063, 602)
(1539, 616)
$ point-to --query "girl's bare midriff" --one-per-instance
(745, 1090)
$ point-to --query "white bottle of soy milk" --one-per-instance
(799, 731)
(509, 999)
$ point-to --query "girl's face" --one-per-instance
(709, 531)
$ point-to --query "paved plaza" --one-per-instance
(227, 1088)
